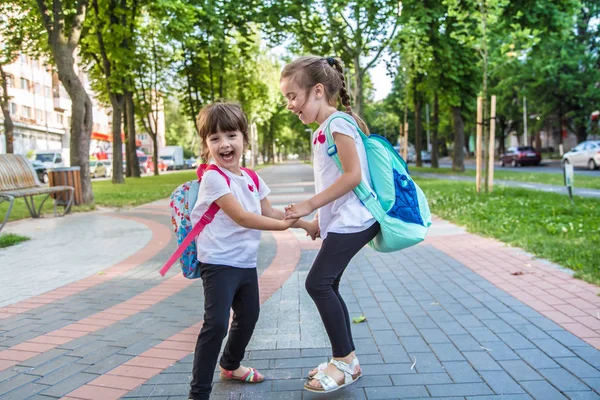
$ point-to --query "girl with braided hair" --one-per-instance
(312, 86)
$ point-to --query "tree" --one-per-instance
(17, 28)
(63, 23)
(358, 31)
(152, 78)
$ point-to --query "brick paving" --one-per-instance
(445, 319)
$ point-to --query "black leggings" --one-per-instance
(323, 282)
(225, 288)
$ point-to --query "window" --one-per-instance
(60, 119)
(68, 121)
(39, 115)
(13, 108)
(48, 91)
(36, 64)
(26, 112)
(24, 84)
(10, 81)
(48, 117)
(23, 58)
(37, 88)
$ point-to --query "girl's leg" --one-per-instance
(333, 258)
(246, 307)
(220, 284)
(336, 289)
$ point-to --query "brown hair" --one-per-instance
(307, 71)
(220, 117)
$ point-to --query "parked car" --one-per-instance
(519, 156)
(40, 170)
(426, 156)
(109, 167)
(192, 163)
(585, 154)
(97, 169)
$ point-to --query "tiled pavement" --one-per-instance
(445, 319)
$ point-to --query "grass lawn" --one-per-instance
(590, 182)
(134, 192)
(10, 239)
(544, 224)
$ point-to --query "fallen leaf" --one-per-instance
(528, 265)
(518, 273)
(358, 320)
(101, 273)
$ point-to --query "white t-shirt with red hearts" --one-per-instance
(223, 241)
(346, 214)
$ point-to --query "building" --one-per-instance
(40, 108)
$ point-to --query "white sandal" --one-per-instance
(321, 367)
(328, 384)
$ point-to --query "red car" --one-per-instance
(519, 156)
(147, 166)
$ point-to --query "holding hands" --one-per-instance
(294, 211)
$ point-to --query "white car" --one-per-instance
(585, 154)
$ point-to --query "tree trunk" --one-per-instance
(81, 118)
(155, 154)
(130, 111)
(358, 97)
(117, 103)
(458, 158)
(8, 123)
(434, 132)
(418, 127)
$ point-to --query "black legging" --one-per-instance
(225, 288)
(323, 282)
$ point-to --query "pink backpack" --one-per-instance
(182, 203)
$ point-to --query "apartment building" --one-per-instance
(40, 108)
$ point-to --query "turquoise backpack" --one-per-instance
(397, 203)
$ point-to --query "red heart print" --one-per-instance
(251, 188)
(320, 137)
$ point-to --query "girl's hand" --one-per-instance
(312, 229)
(298, 210)
(287, 223)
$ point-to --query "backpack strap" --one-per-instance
(206, 219)
(365, 195)
(253, 175)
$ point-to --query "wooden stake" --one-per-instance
(478, 159)
(405, 149)
(492, 145)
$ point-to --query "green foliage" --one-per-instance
(544, 224)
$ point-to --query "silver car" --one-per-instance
(585, 154)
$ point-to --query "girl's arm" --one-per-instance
(351, 178)
(234, 210)
(311, 227)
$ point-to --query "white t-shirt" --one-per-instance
(346, 214)
(223, 241)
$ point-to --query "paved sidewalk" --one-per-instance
(583, 192)
(445, 319)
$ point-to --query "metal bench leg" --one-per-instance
(68, 205)
(11, 201)
(31, 207)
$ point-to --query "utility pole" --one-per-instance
(524, 121)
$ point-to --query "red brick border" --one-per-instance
(160, 239)
(569, 302)
(133, 373)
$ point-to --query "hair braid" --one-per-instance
(344, 96)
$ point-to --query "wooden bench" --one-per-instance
(19, 179)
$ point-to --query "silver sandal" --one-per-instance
(321, 367)
(328, 384)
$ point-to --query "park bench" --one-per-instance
(19, 179)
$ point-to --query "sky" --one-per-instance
(381, 81)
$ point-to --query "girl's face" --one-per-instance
(305, 103)
(226, 148)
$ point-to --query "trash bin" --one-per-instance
(66, 176)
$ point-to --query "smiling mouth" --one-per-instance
(227, 156)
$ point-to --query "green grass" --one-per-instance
(134, 192)
(544, 224)
(590, 182)
(10, 239)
